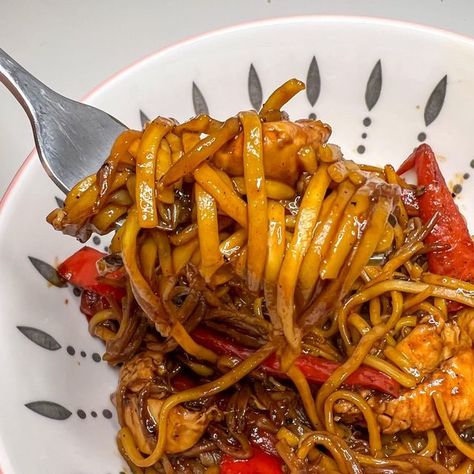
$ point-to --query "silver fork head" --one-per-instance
(72, 139)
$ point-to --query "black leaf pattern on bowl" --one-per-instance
(313, 82)
(436, 100)
(48, 272)
(255, 88)
(143, 118)
(59, 201)
(200, 106)
(40, 337)
(374, 86)
(49, 410)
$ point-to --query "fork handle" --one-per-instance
(31, 93)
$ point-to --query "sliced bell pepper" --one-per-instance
(80, 269)
(92, 303)
(181, 382)
(454, 254)
(259, 463)
(264, 440)
(315, 369)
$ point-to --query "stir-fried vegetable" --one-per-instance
(315, 369)
(259, 463)
(80, 269)
(92, 303)
(452, 251)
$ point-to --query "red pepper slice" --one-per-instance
(455, 256)
(315, 369)
(264, 440)
(92, 303)
(80, 270)
(259, 463)
(182, 382)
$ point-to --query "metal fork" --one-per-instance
(72, 139)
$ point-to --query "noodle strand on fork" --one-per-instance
(306, 220)
(254, 176)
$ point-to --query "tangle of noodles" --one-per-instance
(275, 298)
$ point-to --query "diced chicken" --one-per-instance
(184, 427)
(465, 320)
(431, 343)
(141, 369)
(442, 353)
(415, 409)
(281, 143)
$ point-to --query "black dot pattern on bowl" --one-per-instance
(107, 414)
(466, 175)
(367, 121)
(421, 137)
(76, 291)
(364, 135)
(457, 188)
(472, 163)
(361, 149)
(312, 116)
(106, 248)
(81, 414)
(96, 240)
(93, 414)
(83, 354)
(96, 357)
(70, 350)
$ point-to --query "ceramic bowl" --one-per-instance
(383, 86)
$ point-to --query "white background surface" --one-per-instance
(73, 45)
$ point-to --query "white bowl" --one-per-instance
(382, 85)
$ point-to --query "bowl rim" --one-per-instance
(282, 20)
(371, 20)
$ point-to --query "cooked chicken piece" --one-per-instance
(184, 429)
(431, 343)
(281, 143)
(442, 353)
(141, 369)
(415, 409)
(348, 411)
(465, 320)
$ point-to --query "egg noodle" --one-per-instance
(254, 257)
